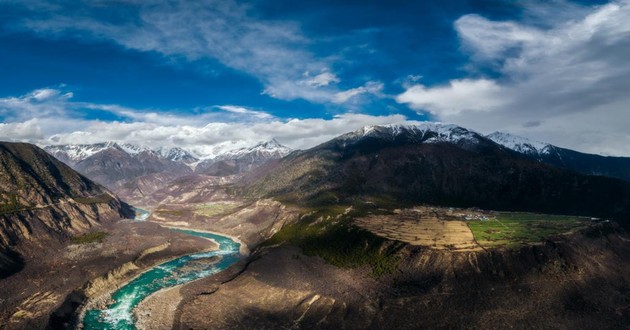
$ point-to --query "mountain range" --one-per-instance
(134, 171)
(384, 209)
(615, 167)
(436, 164)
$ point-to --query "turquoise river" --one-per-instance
(119, 314)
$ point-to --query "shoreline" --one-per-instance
(137, 310)
(108, 293)
(243, 248)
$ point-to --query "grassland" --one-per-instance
(328, 232)
(213, 209)
(516, 229)
(172, 213)
(91, 237)
(9, 203)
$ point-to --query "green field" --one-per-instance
(172, 213)
(92, 237)
(517, 229)
(212, 209)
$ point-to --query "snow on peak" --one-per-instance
(230, 149)
(520, 144)
(267, 149)
(427, 132)
(78, 152)
(132, 149)
(176, 154)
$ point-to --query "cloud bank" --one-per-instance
(50, 116)
(566, 83)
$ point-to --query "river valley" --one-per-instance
(118, 314)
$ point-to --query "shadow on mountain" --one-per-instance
(11, 262)
(582, 282)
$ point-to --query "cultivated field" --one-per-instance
(505, 229)
(468, 229)
(426, 226)
(216, 208)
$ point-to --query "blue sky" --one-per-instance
(232, 72)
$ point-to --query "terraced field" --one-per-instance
(215, 208)
(432, 227)
(469, 230)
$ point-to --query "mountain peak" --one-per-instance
(266, 149)
(272, 144)
(520, 144)
(424, 132)
(177, 154)
(77, 152)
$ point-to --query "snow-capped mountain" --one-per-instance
(431, 133)
(243, 159)
(616, 167)
(426, 132)
(74, 153)
(134, 171)
(247, 157)
(177, 154)
(521, 144)
(262, 151)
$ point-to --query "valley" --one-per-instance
(428, 226)
(65, 275)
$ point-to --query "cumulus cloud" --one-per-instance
(202, 133)
(569, 77)
(457, 96)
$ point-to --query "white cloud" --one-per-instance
(489, 39)
(244, 111)
(371, 87)
(273, 51)
(320, 80)
(570, 78)
(202, 133)
(457, 96)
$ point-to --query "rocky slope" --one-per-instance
(135, 172)
(41, 198)
(615, 167)
(115, 167)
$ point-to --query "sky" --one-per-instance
(226, 72)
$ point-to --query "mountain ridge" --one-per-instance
(42, 198)
(449, 165)
(592, 164)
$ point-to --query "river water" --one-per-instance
(119, 314)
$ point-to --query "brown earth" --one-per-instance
(250, 222)
(581, 281)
